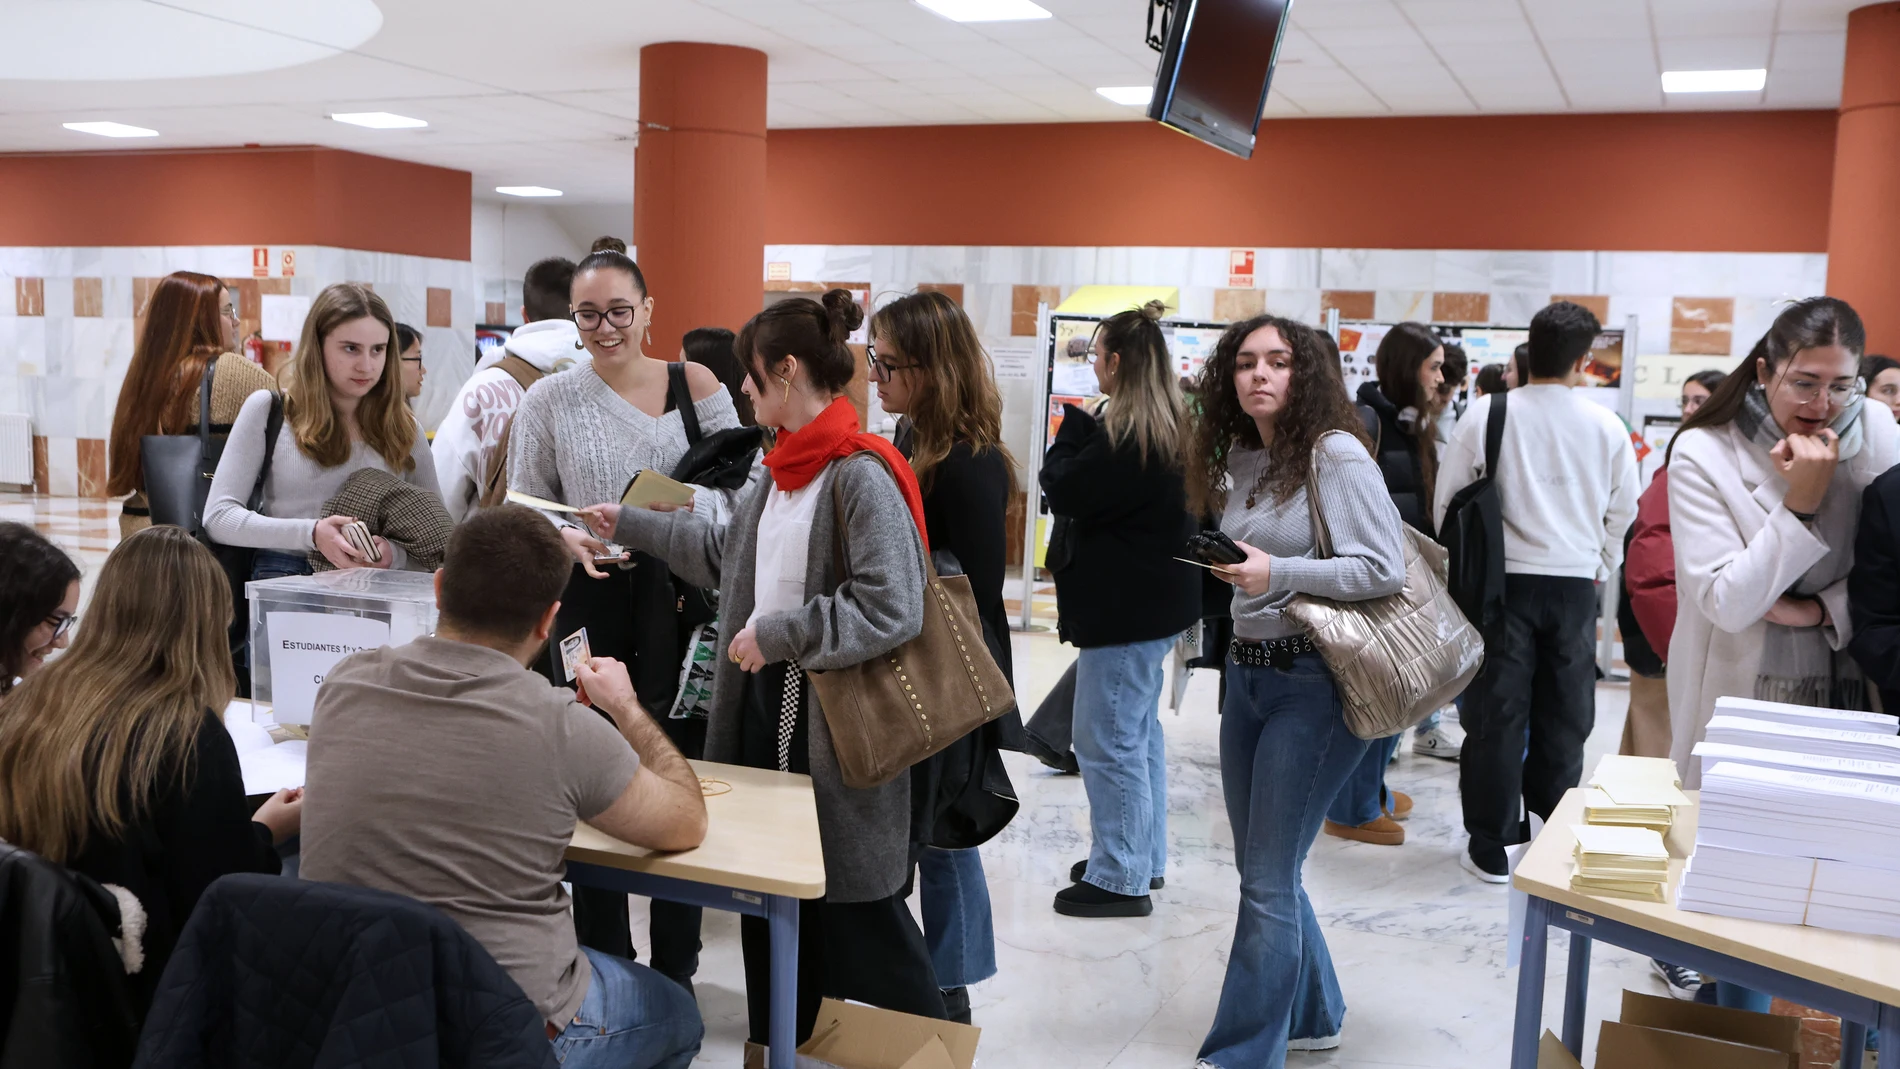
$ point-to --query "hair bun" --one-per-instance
(1154, 311)
(844, 313)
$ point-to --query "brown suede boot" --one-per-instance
(1381, 831)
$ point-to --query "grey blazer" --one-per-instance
(865, 834)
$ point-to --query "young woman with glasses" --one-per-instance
(578, 438)
(929, 368)
(1114, 481)
(409, 344)
(39, 586)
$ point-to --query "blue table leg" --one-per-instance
(1532, 959)
(1853, 1044)
(1576, 993)
(782, 1032)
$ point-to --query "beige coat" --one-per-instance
(1737, 550)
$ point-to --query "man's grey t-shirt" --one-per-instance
(449, 773)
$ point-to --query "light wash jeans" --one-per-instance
(1124, 762)
(1364, 796)
(957, 925)
(631, 1018)
(1284, 753)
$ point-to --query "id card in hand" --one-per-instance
(574, 652)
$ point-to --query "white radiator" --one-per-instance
(16, 448)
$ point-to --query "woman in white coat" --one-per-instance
(1765, 485)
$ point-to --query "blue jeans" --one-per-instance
(1118, 745)
(1364, 796)
(1284, 753)
(956, 907)
(275, 564)
(631, 1018)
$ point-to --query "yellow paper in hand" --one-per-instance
(649, 487)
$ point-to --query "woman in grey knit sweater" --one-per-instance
(784, 609)
(1273, 407)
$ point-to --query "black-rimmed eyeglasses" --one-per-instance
(880, 368)
(621, 317)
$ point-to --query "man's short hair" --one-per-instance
(504, 567)
(1560, 334)
(545, 289)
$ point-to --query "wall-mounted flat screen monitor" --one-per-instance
(1217, 67)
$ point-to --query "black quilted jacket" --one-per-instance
(273, 973)
(63, 1001)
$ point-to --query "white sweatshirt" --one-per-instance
(466, 439)
(1566, 479)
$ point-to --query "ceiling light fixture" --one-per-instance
(528, 191)
(1748, 81)
(379, 120)
(109, 129)
(1134, 96)
(987, 10)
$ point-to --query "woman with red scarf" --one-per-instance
(784, 610)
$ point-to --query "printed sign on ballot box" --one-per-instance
(304, 646)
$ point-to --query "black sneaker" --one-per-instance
(956, 1004)
(1683, 983)
(1088, 900)
(1081, 869)
(1484, 870)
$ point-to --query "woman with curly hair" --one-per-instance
(1275, 413)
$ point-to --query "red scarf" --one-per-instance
(801, 454)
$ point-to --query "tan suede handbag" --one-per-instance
(894, 710)
(1395, 658)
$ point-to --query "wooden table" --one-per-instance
(1856, 977)
(761, 855)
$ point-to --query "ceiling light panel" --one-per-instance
(379, 120)
(528, 191)
(109, 129)
(987, 10)
(1736, 81)
(1134, 96)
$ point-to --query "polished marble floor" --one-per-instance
(1419, 945)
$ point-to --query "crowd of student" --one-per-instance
(1761, 562)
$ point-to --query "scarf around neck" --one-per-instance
(801, 455)
(1757, 421)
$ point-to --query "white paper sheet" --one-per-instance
(281, 316)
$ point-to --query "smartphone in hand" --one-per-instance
(1215, 549)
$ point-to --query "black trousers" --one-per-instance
(620, 626)
(1538, 686)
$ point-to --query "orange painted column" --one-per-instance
(699, 187)
(1863, 240)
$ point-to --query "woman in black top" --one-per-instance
(1400, 410)
(39, 600)
(1115, 483)
(113, 761)
(929, 368)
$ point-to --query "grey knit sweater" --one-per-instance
(576, 441)
(865, 834)
(1368, 557)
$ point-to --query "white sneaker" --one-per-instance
(1314, 1043)
(1445, 741)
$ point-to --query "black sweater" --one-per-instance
(1399, 460)
(964, 512)
(1873, 589)
(187, 839)
(1123, 523)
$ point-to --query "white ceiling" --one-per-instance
(522, 93)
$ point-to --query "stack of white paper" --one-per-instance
(1855, 898)
(1808, 715)
(1735, 883)
(1852, 768)
(1802, 738)
(268, 766)
(1620, 862)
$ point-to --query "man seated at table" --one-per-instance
(447, 771)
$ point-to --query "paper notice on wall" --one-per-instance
(303, 647)
(1015, 359)
(282, 317)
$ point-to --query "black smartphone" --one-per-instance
(1215, 547)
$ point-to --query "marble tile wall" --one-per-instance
(69, 318)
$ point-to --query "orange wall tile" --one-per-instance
(1597, 303)
(1461, 308)
(1702, 326)
(92, 467)
(1232, 305)
(29, 296)
(1022, 309)
(42, 465)
(1352, 304)
(496, 313)
(440, 307)
(89, 297)
(952, 290)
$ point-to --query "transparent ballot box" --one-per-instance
(302, 625)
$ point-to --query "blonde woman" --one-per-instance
(343, 410)
(1115, 483)
(113, 761)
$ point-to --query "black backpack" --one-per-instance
(1473, 535)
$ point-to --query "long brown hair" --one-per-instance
(382, 415)
(1316, 403)
(87, 740)
(1402, 351)
(1808, 324)
(1146, 407)
(183, 332)
(956, 399)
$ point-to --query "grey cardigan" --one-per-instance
(865, 834)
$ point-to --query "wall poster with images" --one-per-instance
(1602, 375)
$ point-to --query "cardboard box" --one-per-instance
(1552, 1054)
(851, 1036)
(1628, 1046)
(1716, 1022)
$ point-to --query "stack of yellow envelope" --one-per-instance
(1622, 862)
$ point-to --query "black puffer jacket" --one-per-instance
(290, 974)
(1398, 457)
(63, 999)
